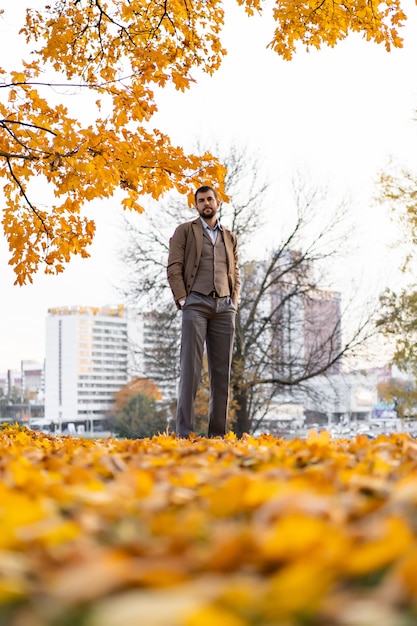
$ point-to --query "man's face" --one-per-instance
(207, 205)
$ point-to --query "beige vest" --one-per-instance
(212, 270)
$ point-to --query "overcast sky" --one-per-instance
(338, 115)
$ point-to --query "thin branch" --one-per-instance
(22, 191)
(11, 155)
(18, 122)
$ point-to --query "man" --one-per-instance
(203, 274)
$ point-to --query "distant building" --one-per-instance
(11, 383)
(27, 385)
(86, 362)
(342, 399)
(32, 381)
(306, 322)
(22, 393)
(154, 348)
(323, 329)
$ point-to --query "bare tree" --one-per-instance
(288, 329)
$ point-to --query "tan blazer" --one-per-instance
(185, 247)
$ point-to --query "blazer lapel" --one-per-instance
(198, 234)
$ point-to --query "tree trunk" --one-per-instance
(242, 423)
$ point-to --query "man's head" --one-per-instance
(207, 202)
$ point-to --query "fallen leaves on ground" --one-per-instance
(231, 532)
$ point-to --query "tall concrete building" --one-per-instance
(308, 332)
(323, 329)
(307, 321)
(86, 363)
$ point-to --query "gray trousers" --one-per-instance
(211, 321)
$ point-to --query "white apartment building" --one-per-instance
(86, 363)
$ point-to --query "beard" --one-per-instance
(208, 212)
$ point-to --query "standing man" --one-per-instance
(203, 274)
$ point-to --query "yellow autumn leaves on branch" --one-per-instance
(162, 531)
(315, 23)
(119, 53)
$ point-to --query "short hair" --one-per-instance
(204, 189)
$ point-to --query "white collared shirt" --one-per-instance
(212, 232)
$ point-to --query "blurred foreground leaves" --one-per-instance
(167, 532)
